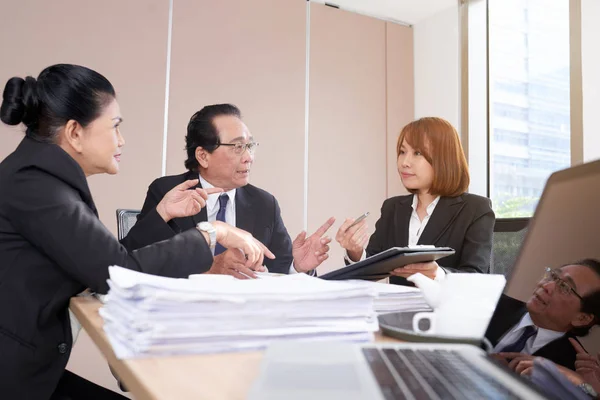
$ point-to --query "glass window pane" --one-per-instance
(529, 100)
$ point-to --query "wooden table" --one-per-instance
(215, 376)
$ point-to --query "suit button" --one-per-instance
(62, 348)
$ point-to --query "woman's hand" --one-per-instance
(428, 269)
(181, 201)
(231, 237)
(353, 239)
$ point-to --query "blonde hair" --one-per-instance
(437, 139)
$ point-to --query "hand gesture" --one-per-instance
(181, 201)
(526, 366)
(353, 239)
(587, 365)
(231, 237)
(310, 252)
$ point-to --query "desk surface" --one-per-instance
(215, 376)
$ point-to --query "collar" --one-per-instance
(212, 200)
(543, 336)
(430, 207)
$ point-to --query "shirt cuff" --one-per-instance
(293, 270)
(349, 261)
(440, 274)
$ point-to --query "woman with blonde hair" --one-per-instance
(439, 211)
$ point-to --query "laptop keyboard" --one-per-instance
(431, 374)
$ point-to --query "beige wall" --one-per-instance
(257, 62)
(590, 60)
(437, 66)
(252, 54)
(361, 94)
(347, 119)
(400, 96)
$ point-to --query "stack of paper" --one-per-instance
(147, 315)
(394, 298)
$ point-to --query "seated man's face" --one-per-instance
(224, 168)
(555, 305)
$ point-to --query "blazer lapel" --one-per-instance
(444, 214)
(244, 217)
(508, 313)
(402, 220)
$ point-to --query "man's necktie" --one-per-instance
(223, 199)
(518, 345)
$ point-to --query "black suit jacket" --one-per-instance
(53, 246)
(508, 313)
(464, 223)
(257, 212)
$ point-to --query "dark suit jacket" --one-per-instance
(257, 212)
(53, 246)
(508, 313)
(464, 223)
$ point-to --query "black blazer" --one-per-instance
(53, 246)
(509, 312)
(464, 223)
(257, 212)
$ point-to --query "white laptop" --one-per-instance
(563, 229)
(334, 370)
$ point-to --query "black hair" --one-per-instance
(62, 92)
(591, 302)
(201, 131)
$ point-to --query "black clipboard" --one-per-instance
(379, 266)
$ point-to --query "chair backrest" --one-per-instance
(126, 219)
(509, 234)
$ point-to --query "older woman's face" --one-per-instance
(415, 171)
(102, 142)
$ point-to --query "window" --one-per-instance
(529, 100)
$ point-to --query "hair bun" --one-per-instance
(20, 102)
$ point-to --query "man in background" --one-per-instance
(565, 304)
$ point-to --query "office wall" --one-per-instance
(257, 62)
(400, 95)
(590, 60)
(347, 119)
(361, 94)
(437, 66)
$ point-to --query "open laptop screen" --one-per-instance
(565, 228)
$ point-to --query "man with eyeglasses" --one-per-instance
(564, 304)
(220, 152)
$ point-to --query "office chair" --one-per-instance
(509, 234)
(126, 219)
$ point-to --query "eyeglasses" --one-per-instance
(239, 148)
(561, 284)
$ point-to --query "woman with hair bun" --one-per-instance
(52, 244)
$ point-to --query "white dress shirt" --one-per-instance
(213, 206)
(534, 343)
(416, 226)
(415, 229)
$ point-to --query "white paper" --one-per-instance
(145, 315)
